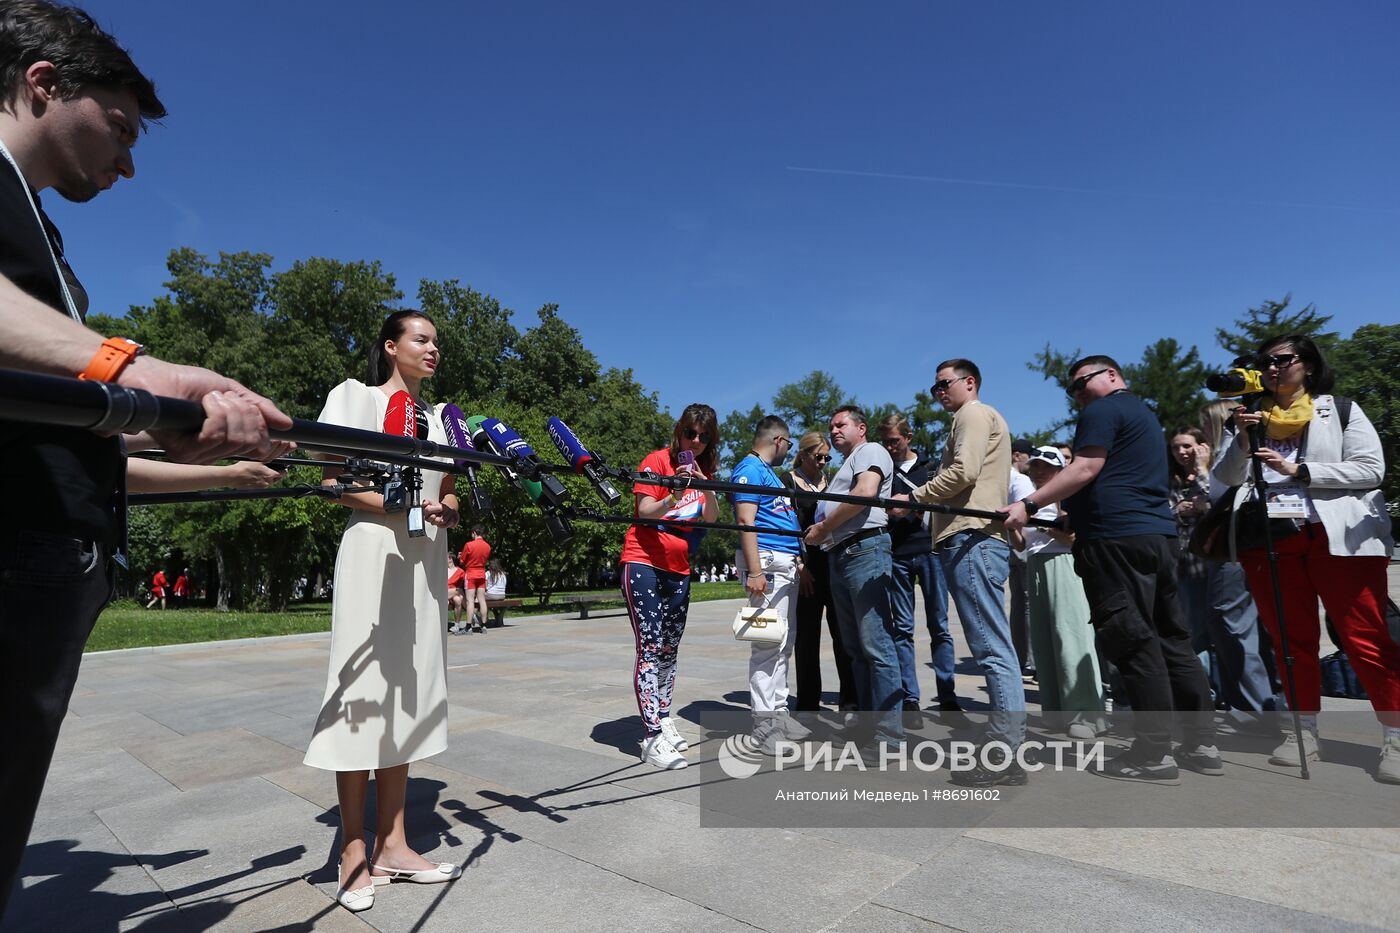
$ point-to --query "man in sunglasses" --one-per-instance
(973, 474)
(1115, 491)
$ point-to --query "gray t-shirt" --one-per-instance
(867, 456)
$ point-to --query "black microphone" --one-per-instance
(572, 450)
(403, 418)
(513, 445)
(458, 435)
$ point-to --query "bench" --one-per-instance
(497, 608)
(583, 601)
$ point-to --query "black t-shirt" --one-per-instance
(1129, 496)
(61, 480)
(908, 536)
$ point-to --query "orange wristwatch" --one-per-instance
(115, 354)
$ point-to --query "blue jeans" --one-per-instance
(860, 587)
(976, 567)
(925, 571)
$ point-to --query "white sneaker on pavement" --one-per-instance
(661, 753)
(1287, 753)
(1388, 771)
(791, 728)
(673, 735)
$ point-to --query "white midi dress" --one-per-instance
(386, 691)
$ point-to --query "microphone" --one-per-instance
(482, 441)
(403, 418)
(572, 450)
(513, 445)
(455, 424)
(558, 525)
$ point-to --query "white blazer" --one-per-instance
(1345, 472)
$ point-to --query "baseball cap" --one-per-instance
(1050, 455)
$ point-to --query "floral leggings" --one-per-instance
(657, 602)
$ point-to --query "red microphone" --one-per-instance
(403, 418)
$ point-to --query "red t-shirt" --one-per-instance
(455, 578)
(473, 558)
(663, 550)
(182, 585)
(158, 583)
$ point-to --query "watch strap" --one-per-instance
(115, 354)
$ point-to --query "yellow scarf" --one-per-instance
(1285, 423)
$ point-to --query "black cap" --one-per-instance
(1022, 447)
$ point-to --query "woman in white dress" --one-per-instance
(386, 693)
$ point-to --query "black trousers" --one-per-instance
(51, 591)
(1138, 625)
(807, 646)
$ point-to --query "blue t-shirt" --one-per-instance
(1129, 496)
(773, 511)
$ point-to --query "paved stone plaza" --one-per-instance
(178, 802)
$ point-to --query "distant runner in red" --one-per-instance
(181, 590)
(158, 585)
(473, 559)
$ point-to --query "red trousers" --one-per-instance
(1353, 591)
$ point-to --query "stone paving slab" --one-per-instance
(178, 802)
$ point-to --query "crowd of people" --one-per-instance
(1103, 596)
(1115, 608)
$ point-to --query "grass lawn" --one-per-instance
(124, 624)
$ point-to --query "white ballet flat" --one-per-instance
(446, 871)
(356, 900)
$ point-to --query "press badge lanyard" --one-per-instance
(68, 302)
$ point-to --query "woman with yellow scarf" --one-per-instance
(1323, 467)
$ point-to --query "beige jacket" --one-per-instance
(974, 473)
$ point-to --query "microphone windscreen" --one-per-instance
(570, 447)
(455, 424)
(401, 417)
(505, 438)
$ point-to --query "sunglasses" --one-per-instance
(700, 436)
(824, 458)
(1078, 385)
(1282, 361)
(943, 384)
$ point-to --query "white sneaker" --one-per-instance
(1287, 753)
(1388, 771)
(673, 735)
(791, 728)
(767, 733)
(1079, 729)
(661, 753)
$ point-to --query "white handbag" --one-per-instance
(764, 626)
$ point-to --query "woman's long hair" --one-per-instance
(701, 419)
(1174, 468)
(380, 366)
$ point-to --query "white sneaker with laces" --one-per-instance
(1388, 771)
(661, 753)
(673, 735)
(790, 728)
(1287, 753)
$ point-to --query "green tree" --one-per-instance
(477, 340)
(807, 404)
(1271, 319)
(1170, 382)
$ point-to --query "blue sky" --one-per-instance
(726, 196)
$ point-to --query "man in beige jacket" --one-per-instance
(974, 552)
